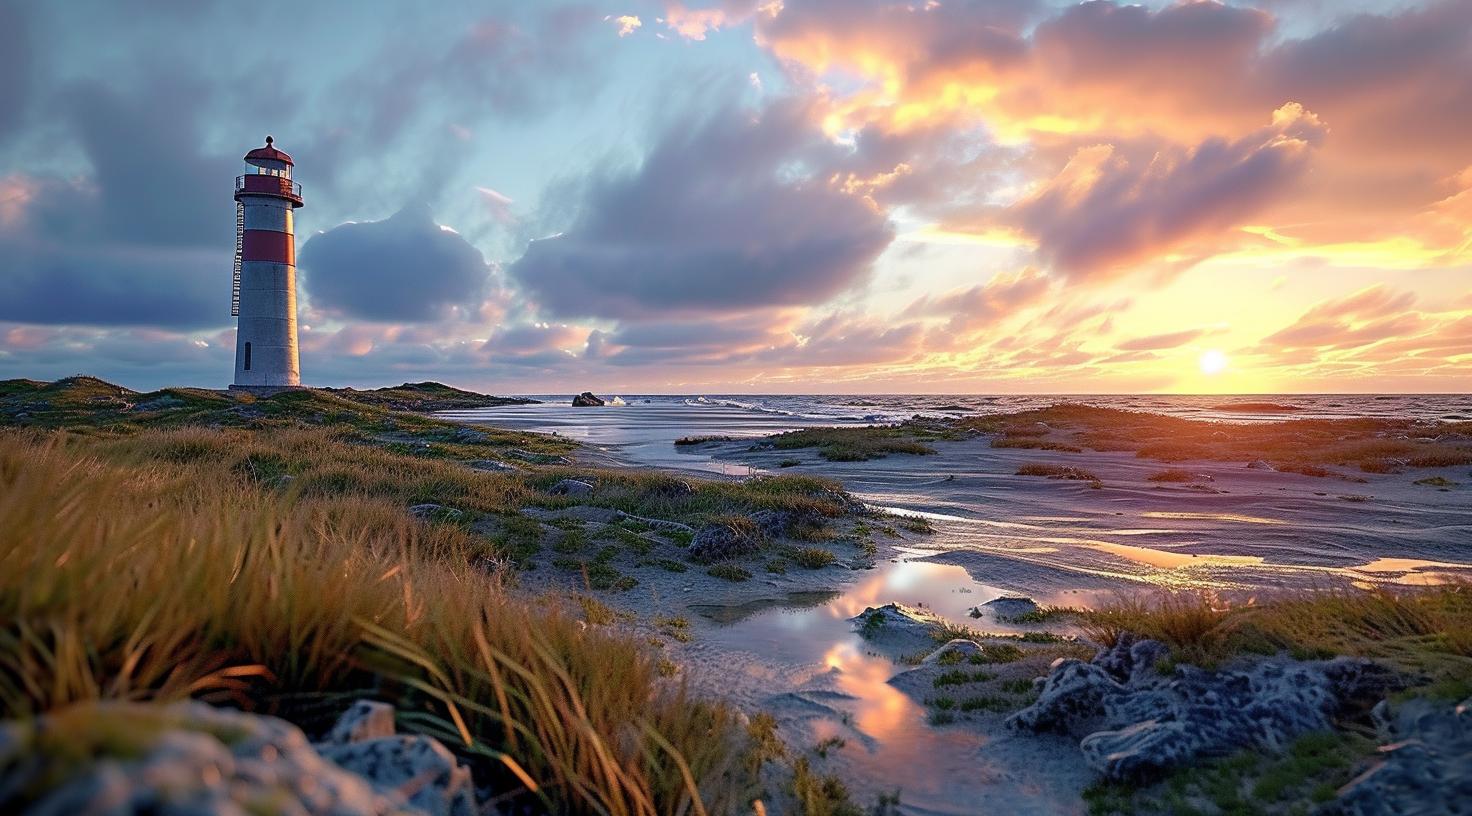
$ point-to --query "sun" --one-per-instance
(1212, 362)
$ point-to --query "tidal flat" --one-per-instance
(604, 621)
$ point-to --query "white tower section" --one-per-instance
(264, 293)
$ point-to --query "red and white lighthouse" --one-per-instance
(264, 290)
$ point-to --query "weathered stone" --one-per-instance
(1137, 721)
(492, 466)
(663, 525)
(586, 400)
(159, 404)
(1425, 771)
(773, 523)
(960, 646)
(1007, 608)
(468, 436)
(418, 768)
(571, 487)
(364, 720)
(190, 758)
(430, 510)
(719, 542)
(1258, 464)
(899, 630)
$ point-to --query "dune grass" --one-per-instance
(857, 444)
(1371, 445)
(1424, 630)
(157, 579)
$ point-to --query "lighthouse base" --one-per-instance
(267, 390)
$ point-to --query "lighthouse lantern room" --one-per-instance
(263, 293)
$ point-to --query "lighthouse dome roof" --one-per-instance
(268, 153)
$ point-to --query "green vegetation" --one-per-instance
(1305, 777)
(961, 677)
(729, 572)
(1172, 475)
(261, 552)
(1425, 631)
(1371, 445)
(858, 444)
(686, 441)
(1053, 471)
(812, 557)
(137, 568)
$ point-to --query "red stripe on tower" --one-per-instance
(268, 245)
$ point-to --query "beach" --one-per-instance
(786, 644)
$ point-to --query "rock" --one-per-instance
(663, 525)
(579, 512)
(1137, 722)
(1426, 770)
(159, 404)
(430, 510)
(492, 466)
(571, 487)
(418, 768)
(1008, 608)
(469, 436)
(586, 400)
(772, 523)
(1258, 464)
(720, 542)
(191, 758)
(364, 720)
(899, 630)
(965, 648)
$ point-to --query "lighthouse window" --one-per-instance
(247, 356)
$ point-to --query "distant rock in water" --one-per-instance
(1008, 608)
(587, 399)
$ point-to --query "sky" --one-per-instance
(753, 196)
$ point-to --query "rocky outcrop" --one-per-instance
(899, 630)
(191, 758)
(571, 487)
(1008, 608)
(587, 399)
(437, 512)
(1135, 721)
(719, 541)
(1425, 770)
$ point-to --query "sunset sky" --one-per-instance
(789, 196)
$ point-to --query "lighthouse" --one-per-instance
(263, 293)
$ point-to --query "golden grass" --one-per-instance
(133, 569)
(1426, 630)
(1372, 445)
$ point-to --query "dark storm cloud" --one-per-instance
(735, 212)
(15, 66)
(144, 240)
(404, 268)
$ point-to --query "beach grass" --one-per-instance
(1422, 630)
(158, 580)
(856, 444)
(1375, 445)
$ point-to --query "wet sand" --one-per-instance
(784, 644)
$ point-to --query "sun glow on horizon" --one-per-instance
(1212, 362)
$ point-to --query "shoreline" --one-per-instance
(765, 589)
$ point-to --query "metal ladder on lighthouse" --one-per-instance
(239, 249)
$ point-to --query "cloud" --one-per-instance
(1106, 209)
(402, 269)
(15, 66)
(735, 212)
(1157, 342)
(627, 23)
(1368, 316)
(137, 241)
